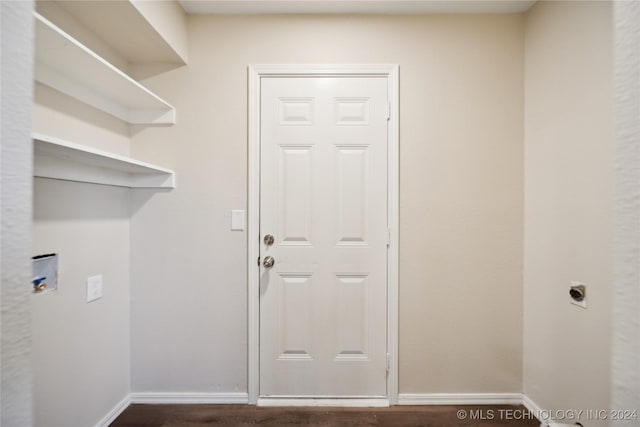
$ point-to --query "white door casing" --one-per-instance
(323, 319)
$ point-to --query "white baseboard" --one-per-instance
(530, 405)
(542, 414)
(115, 412)
(190, 398)
(328, 402)
(534, 409)
(460, 399)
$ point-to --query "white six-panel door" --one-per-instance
(323, 197)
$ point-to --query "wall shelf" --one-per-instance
(145, 40)
(68, 66)
(59, 159)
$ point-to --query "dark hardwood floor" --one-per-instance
(397, 416)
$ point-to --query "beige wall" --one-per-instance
(467, 83)
(568, 203)
(78, 30)
(461, 125)
(61, 116)
(81, 351)
(168, 19)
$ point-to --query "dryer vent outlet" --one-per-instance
(578, 294)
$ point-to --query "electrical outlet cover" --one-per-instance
(94, 288)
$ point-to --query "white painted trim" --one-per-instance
(115, 412)
(159, 398)
(530, 404)
(460, 399)
(555, 424)
(338, 70)
(255, 74)
(393, 218)
(59, 159)
(542, 415)
(253, 237)
(329, 402)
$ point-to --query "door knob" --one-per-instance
(269, 261)
(269, 239)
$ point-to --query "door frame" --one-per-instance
(255, 75)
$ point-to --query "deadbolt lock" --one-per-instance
(269, 239)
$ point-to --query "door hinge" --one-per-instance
(388, 363)
(388, 237)
(388, 110)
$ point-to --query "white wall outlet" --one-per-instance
(578, 294)
(94, 288)
(237, 220)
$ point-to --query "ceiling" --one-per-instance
(381, 7)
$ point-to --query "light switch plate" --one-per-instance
(94, 288)
(237, 220)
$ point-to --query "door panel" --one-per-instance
(294, 325)
(295, 192)
(352, 193)
(352, 325)
(323, 195)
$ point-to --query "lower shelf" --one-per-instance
(59, 159)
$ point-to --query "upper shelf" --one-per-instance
(58, 159)
(142, 32)
(67, 65)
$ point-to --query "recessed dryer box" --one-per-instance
(45, 273)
